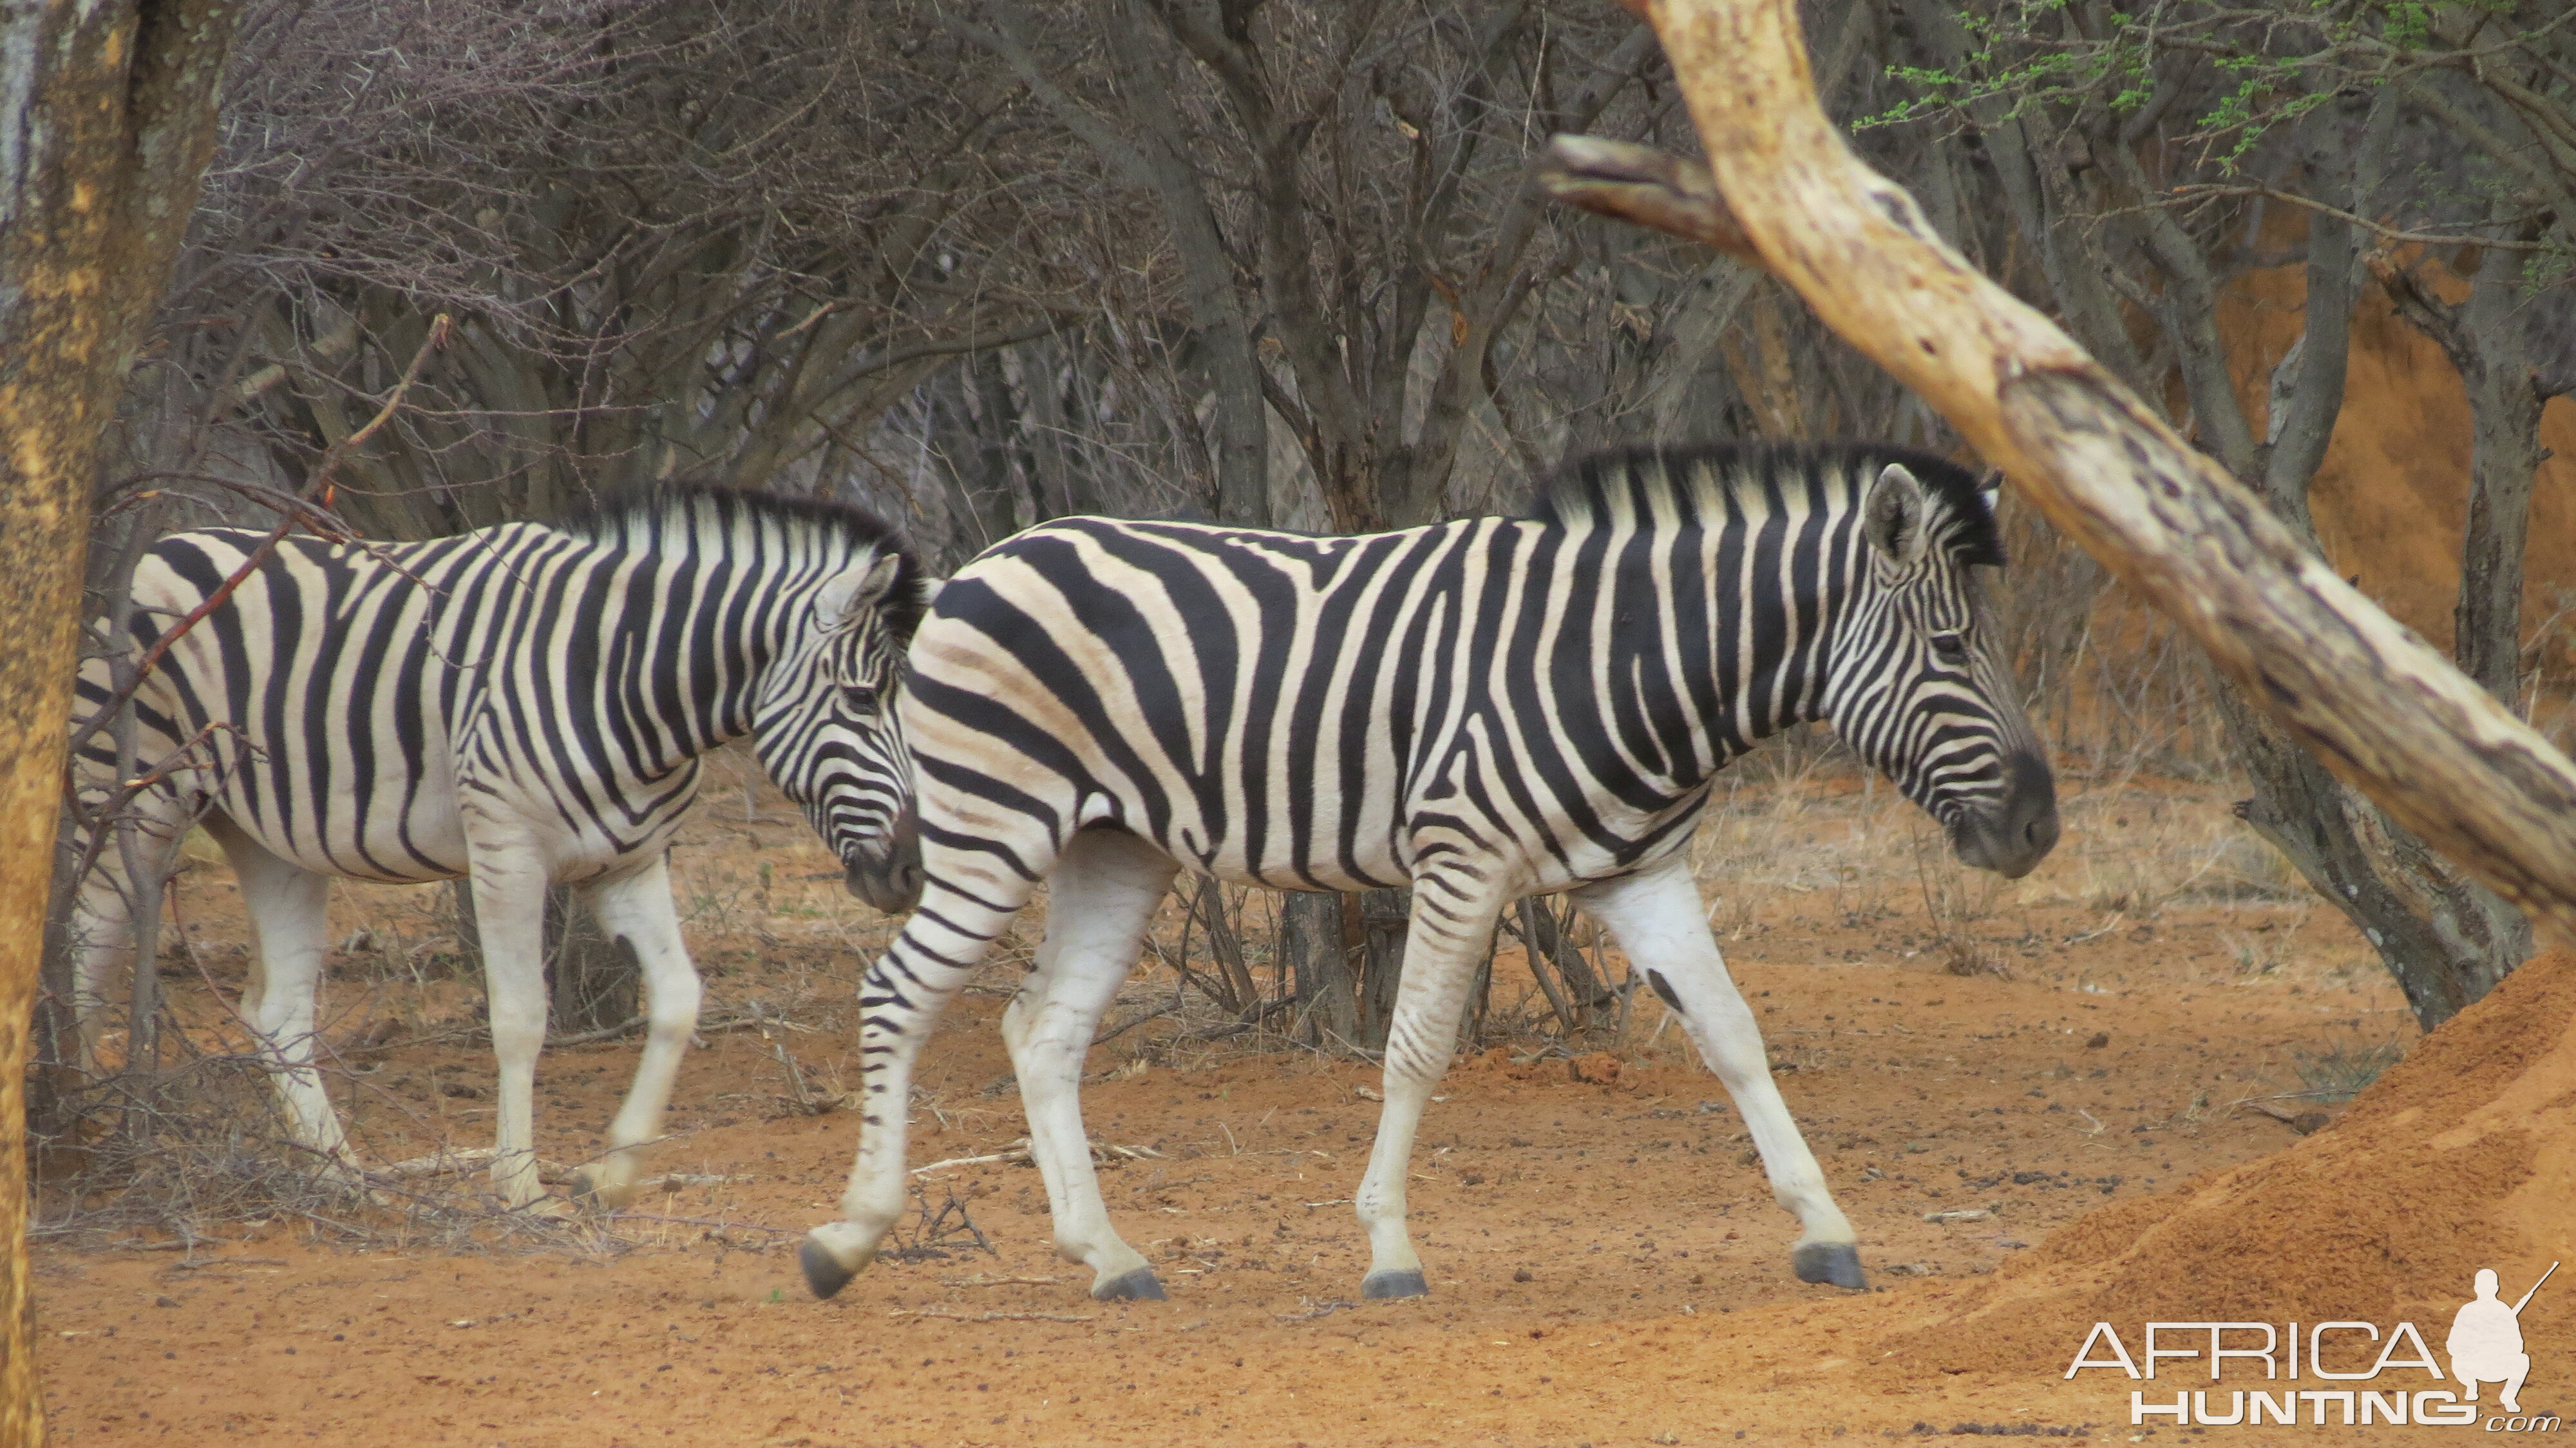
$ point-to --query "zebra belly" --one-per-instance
(420, 832)
(1437, 843)
(302, 797)
(1204, 826)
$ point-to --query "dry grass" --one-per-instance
(175, 1160)
(2339, 1072)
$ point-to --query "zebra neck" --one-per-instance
(1724, 637)
(685, 658)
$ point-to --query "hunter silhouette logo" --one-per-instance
(2486, 1341)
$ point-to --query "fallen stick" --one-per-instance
(1018, 1151)
(2305, 1123)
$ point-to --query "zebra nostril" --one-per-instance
(2040, 833)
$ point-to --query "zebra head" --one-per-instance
(1918, 683)
(826, 728)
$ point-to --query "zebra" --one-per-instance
(522, 705)
(1485, 709)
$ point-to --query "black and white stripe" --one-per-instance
(524, 705)
(1482, 709)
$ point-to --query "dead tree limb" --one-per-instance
(2381, 708)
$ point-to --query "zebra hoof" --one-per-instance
(829, 1267)
(1394, 1284)
(1834, 1262)
(592, 1194)
(1139, 1285)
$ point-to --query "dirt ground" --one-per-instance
(1606, 1264)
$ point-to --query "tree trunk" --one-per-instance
(2308, 815)
(1575, 990)
(593, 983)
(2445, 940)
(2488, 348)
(1375, 925)
(1221, 327)
(1218, 320)
(1310, 942)
(107, 116)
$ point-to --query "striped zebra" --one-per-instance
(524, 705)
(1483, 709)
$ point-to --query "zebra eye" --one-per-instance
(1950, 648)
(859, 697)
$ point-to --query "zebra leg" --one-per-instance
(1660, 923)
(900, 999)
(287, 905)
(1453, 923)
(103, 920)
(636, 909)
(1099, 901)
(509, 910)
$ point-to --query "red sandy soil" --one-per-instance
(1606, 1264)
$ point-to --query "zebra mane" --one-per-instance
(688, 515)
(1697, 481)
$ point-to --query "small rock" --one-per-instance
(1524, 1275)
(1965, 1214)
(2100, 1039)
(165, 1301)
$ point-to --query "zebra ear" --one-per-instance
(845, 594)
(1893, 516)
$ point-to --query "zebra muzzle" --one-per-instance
(889, 879)
(2018, 831)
